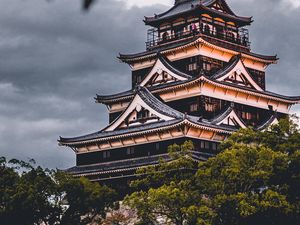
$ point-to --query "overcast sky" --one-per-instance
(54, 58)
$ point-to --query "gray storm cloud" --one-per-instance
(54, 58)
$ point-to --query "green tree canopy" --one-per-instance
(254, 180)
(32, 195)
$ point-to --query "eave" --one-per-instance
(149, 55)
(128, 133)
(173, 86)
(198, 9)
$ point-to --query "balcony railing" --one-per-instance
(225, 38)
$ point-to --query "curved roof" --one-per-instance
(178, 118)
(187, 43)
(187, 6)
(225, 114)
(268, 122)
(129, 94)
(232, 63)
(128, 165)
(131, 130)
(168, 65)
(158, 106)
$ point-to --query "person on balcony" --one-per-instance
(193, 29)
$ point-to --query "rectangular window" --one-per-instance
(214, 147)
(202, 145)
(206, 66)
(192, 67)
(247, 115)
(209, 107)
(206, 145)
(106, 155)
(194, 107)
(157, 146)
(130, 151)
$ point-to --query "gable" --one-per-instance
(139, 116)
(138, 113)
(218, 6)
(239, 75)
(221, 5)
(161, 74)
(232, 119)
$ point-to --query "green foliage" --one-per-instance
(32, 195)
(166, 192)
(254, 180)
(240, 169)
(178, 168)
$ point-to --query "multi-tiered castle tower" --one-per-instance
(197, 80)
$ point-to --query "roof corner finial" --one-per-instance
(185, 115)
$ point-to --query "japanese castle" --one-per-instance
(197, 80)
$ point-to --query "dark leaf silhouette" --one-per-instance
(87, 4)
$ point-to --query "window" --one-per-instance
(206, 145)
(130, 151)
(194, 107)
(214, 147)
(143, 114)
(106, 155)
(209, 107)
(206, 66)
(157, 146)
(192, 67)
(246, 115)
(202, 145)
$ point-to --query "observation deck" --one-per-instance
(225, 38)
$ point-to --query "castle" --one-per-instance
(197, 80)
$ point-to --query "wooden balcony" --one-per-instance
(225, 39)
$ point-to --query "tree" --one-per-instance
(255, 179)
(32, 195)
(179, 167)
(166, 195)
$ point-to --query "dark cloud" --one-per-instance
(54, 58)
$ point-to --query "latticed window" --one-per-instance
(247, 115)
(212, 104)
(209, 107)
(206, 66)
(204, 145)
(192, 67)
(194, 107)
